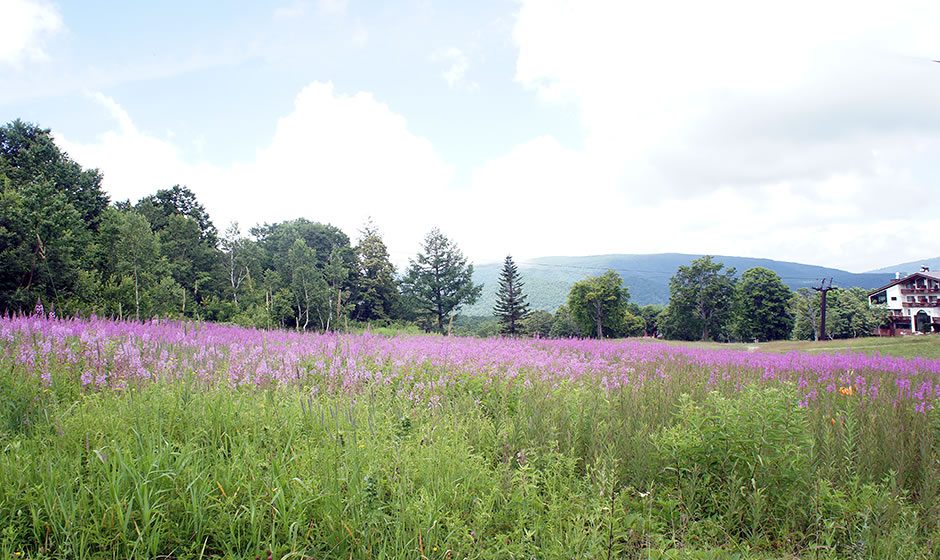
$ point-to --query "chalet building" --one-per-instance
(914, 303)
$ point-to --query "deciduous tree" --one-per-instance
(599, 303)
(538, 323)
(28, 154)
(848, 314)
(761, 306)
(805, 307)
(700, 299)
(563, 324)
(378, 291)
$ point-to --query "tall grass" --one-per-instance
(188, 441)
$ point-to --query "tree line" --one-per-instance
(65, 246)
(707, 302)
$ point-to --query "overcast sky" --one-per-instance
(806, 131)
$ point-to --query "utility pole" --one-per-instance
(822, 315)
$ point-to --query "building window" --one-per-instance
(878, 298)
(894, 298)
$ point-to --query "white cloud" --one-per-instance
(704, 115)
(335, 159)
(801, 131)
(551, 195)
(26, 24)
(342, 158)
(134, 163)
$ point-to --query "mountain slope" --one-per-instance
(548, 279)
(910, 267)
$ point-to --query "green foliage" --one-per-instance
(761, 305)
(177, 201)
(191, 258)
(742, 462)
(378, 296)
(308, 287)
(848, 314)
(439, 281)
(42, 244)
(700, 300)
(805, 306)
(538, 323)
(481, 327)
(132, 263)
(239, 256)
(598, 304)
(652, 318)
(28, 155)
(511, 307)
(308, 273)
(564, 325)
(49, 210)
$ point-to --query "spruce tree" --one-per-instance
(511, 307)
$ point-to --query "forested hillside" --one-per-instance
(910, 267)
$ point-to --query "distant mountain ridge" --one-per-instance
(910, 267)
(548, 279)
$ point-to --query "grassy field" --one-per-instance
(178, 440)
(923, 346)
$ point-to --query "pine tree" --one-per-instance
(511, 307)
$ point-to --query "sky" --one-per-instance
(804, 130)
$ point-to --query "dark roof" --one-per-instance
(930, 275)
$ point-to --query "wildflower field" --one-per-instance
(185, 440)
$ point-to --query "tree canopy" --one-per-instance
(177, 201)
(761, 306)
(378, 289)
(598, 305)
(699, 302)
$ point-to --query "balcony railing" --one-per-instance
(914, 291)
(920, 304)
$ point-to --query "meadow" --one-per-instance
(188, 440)
(900, 346)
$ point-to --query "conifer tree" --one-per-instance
(439, 280)
(511, 307)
